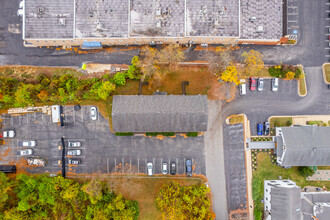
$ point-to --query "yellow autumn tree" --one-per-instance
(253, 62)
(289, 75)
(230, 74)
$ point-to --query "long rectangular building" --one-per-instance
(135, 22)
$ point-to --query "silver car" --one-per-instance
(260, 84)
(74, 152)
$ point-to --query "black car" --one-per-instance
(173, 168)
(77, 107)
(266, 127)
(188, 168)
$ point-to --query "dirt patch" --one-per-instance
(239, 214)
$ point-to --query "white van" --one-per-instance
(242, 87)
(274, 84)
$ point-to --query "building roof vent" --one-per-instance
(253, 19)
(62, 21)
(260, 29)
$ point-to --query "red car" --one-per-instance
(252, 84)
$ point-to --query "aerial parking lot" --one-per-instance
(101, 150)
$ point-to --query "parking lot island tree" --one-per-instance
(253, 62)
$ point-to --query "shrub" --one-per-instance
(134, 72)
(105, 89)
(119, 79)
(192, 134)
(124, 133)
(305, 171)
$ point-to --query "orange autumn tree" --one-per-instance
(289, 75)
(43, 95)
(253, 62)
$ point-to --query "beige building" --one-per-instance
(136, 22)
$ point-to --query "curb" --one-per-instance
(323, 73)
(299, 81)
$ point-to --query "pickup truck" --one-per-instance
(27, 143)
(36, 162)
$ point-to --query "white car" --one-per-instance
(8, 134)
(27, 143)
(25, 152)
(74, 152)
(93, 113)
(74, 144)
(149, 167)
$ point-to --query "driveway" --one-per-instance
(102, 151)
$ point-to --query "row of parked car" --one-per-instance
(188, 165)
(257, 84)
(263, 129)
(74, 152)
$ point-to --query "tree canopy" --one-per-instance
(44, 197)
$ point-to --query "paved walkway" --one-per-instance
(323, 175)
(260, 144)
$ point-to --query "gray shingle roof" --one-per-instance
(161, 113)
(285, 203)
(316, 200)
(306, 146)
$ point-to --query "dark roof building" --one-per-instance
(159, 113)
(303, 146)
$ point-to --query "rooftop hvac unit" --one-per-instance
(62, 21)
(260, 29)
(159, 24)
(253, 19)
(158, 12)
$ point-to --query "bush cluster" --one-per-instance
(160, 133)
(285, 71)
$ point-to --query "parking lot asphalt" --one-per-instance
(102, 151)
(233, 139)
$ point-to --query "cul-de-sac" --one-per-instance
(165, 109)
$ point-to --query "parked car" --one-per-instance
(173, 168)
(25, 152)
(75, 161)
(260, 84)
(36, 162)
(165, 168)
(266, 129)
(274, 84)
(189, 168)
(93, 113)
(74, 144)
(77, 107)
(27, 143)
(74, 152)
(260, 129)
(242, 87)
(8, 134)
(252, 84)
(149, 169)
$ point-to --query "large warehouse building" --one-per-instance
(134, 22)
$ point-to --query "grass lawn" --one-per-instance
(200, 80)
(281, 121)
(144, 190)
(236, 119)
(302, 86)
(327, 72)
(262, 73)
(267, 171)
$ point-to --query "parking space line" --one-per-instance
(184, 164)
(12, 121)
(177, 164)
(145, 165)
(115, 164)
(122, 165)
(161, 164)
(74, 116)
(107, 165)
(82, 116)
(130, 165)
(138, 165)
(154, 167)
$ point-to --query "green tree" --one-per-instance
(23, 95)
(105, 89)
(305, 171)
(119, 79)
(134, 72)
